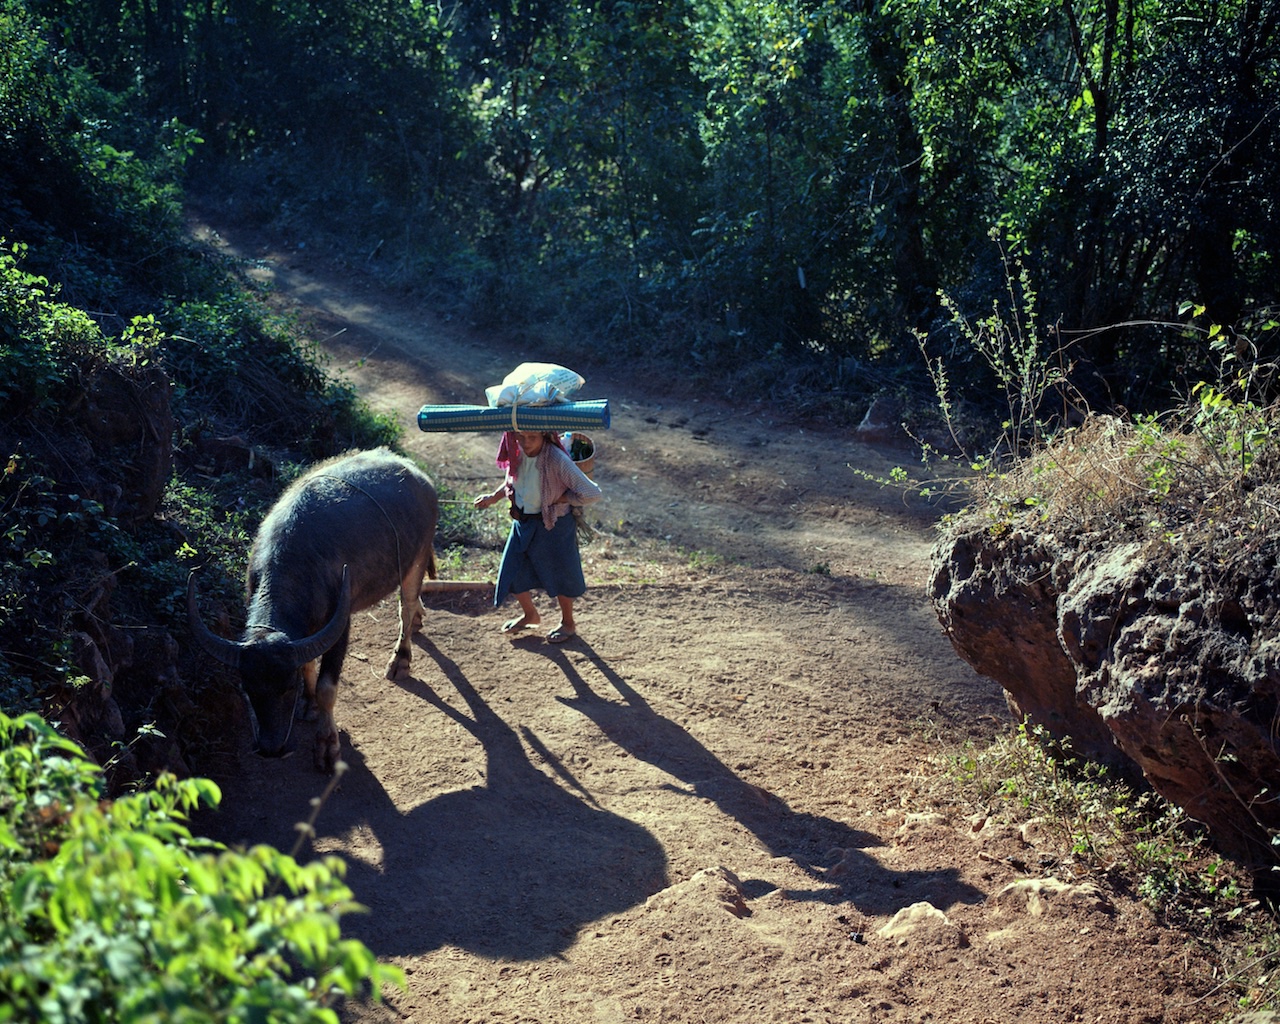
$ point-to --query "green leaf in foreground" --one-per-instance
(114, 911)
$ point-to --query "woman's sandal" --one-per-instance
(559, 635)
(517, 625)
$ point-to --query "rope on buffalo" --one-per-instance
(390, 521)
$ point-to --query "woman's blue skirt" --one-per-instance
(538, 557)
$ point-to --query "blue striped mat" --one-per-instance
(465, 418)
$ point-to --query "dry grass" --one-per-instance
(1109, 475)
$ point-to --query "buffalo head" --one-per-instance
(270, 664)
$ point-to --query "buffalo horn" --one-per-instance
(316, 644)
(225, 651)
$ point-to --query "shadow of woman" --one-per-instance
(826, 849)
(510, 869)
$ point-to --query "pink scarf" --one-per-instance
(510, 453)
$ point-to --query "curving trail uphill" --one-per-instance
(705, 808)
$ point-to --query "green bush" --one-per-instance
(38, 337)
(116, 912)
(257, 373)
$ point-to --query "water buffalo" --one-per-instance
(341, 538)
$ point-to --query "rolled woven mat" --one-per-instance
(465, 418)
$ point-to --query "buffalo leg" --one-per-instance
(328, 745)
(307, 710)
(411, 611)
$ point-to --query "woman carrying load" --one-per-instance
(543, 486)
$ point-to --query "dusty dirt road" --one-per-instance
(708, 807)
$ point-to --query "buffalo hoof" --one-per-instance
(399, 664)
(328, 749)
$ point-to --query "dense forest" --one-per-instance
(837, 187)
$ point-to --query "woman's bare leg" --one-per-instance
(567, 624)
(530, 616)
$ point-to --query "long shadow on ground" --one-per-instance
(827, 849)
(510, 869)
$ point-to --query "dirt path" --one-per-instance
(706, 807)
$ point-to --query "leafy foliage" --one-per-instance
(115, 911)
(45, 529)
(721, 181)
(37, 335)
(85, 177)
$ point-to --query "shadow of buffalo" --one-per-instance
(509, 869)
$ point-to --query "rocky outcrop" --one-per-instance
(997, 599)
(1160, 659)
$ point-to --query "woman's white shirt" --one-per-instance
(528, 486)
